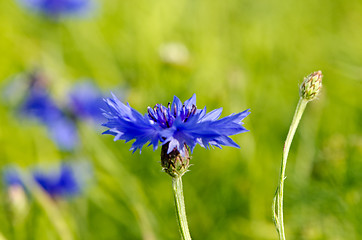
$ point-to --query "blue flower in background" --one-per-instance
(64, 181)
(55, 8)
(85, 101)
(39, 105)
(180, 125)
(29, 94)
(59, 183)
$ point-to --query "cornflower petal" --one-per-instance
(190, 102)
(176, 106)
(211, 116)
(125, 123)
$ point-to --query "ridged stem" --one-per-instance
(180, 208)
(278, 198)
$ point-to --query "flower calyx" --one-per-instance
(173, 163)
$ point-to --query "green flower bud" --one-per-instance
(311, 86)
(173, 163)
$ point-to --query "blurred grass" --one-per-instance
(243, 54)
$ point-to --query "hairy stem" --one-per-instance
(180, 208)
(278, 198)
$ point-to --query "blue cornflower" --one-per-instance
(60, 182)
(177, 127)
(39, 105)
(55, 8)
(64, 181)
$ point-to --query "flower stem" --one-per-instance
(278, 198)
(54, 214)
(180, 208)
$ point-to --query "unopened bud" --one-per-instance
(173, 163)
(311, 86)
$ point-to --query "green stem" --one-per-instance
(49, 207)
(180, 208)
(278, 198)
(54, 214)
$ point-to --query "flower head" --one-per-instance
(55, 8)
(64, 181)
(59, 182)
(39, 105)
(179, 126)
(311, 86)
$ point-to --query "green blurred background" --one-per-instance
(235, 54)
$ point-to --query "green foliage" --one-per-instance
(242, 54)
